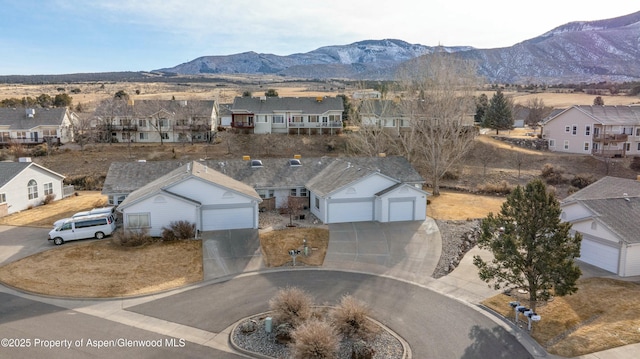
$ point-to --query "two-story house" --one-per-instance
(156, 120)
(385, 114)
(598, 130)
(36, 125)
(293, 115)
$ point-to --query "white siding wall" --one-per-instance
(600, 231)
(321, 212)
(631, 260)
(207, 193)
(163, 210)
(418, 198)
(18, 194)
(574, 211)
(555, 130)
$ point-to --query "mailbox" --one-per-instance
(535, 317)
(528, 313)
(522, 308)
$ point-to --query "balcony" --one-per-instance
(315, 124)
(239, 124)
(610, 137)
(609, 153)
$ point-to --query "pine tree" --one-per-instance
(482, 103)
(532, 248)
(498, 115)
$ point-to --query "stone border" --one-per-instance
(406, 349)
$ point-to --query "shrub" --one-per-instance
(582, 180)
(178, 230)
(553, 175)
(450, 176)
(291, 305)
(49, 198)
(501, 188)
(361, 350)
(351, 318)
(315, 339)
(131, 238)
(38, 151)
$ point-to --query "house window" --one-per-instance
(48, 188)
(296, 119)
(32, 188)
(638, 132)
(325, 119)
(313, 118)
(317, 203)
(335, 118)
(293, 192)
(567, 129)
(389, 123)
(138, 220)
(3, 197)
(163, 122)
(142, 123)
(126, 136)
(627, 146)
(303, 192)
(47, 132)
(278, 119)
(586, 146)
(404, 123)
(261, 119)
(566, 144)
(587, 130)
(552, 143)
(165, 136)
(144, 136)
(638, 146)
(574, 130)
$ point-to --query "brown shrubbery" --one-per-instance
(553, 176)
(291, 305)
(315, 339)
(350, 318)
(131, 238)
(501, 188)
(178, 230)
(48, 198)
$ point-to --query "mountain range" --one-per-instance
(581, 51)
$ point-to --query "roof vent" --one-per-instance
(256, 164)
(24, 159)
(263, 98)
(31, 112)
(294, 162)
(319, 99)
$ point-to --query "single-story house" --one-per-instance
(195, 193)
(27, 184)
(349, 192)
(277, 179)
(606, 213)
(36, 125)
(598, 130)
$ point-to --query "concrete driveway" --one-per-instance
(407, 250)
(230, 252)
(20, 242)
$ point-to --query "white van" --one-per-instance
(94, 226)
(101, 210)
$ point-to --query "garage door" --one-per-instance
(599, 255)
(400, 211)
(350, 212)
(227, 218)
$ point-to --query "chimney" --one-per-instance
(263, 98)
(319, 99)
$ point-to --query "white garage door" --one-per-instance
(599, 255)
(350, 212)
(227, 218)
(401, 211)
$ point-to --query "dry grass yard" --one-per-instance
(101, 269)
(603, 314)
(451, 205)
(276, 244)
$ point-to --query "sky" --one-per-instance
(76, 36)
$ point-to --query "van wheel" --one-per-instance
(58, 241)
(99, 235)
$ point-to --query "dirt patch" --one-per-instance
(603, 314)
(451, 205)
(100, 269)
(276, 245)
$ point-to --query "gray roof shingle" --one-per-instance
(17, 119)
(191, 169)
(621, 215)
(125, 177)
(8, 170)
(607, 187)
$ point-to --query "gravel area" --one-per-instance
(386, 346)
(458, 237)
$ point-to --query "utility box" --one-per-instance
(268, 323)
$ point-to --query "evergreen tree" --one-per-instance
(482, 103)
(598, 101)
(271, 93)
(532, 248)
(498, 115)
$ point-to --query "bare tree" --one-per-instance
(107, 116)
(438, 101)
(372, 137)
(83, 132)
(485, 154)
(537, 112)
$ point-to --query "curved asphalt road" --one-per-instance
(434, 325)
